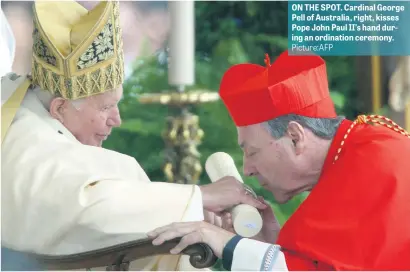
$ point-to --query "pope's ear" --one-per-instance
(58, 108)
(296, 133)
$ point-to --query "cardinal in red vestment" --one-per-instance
(357, 215)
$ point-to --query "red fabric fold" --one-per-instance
(357, 217)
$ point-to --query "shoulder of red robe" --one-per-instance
(291, 85)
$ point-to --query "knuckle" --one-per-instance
(230, 179)
(236, 182)
(201, 229)
(204, 229)
(201, 235)
(202, 225)
(161, 237)
(189, 239)
(239, 190)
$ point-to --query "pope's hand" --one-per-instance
(227, 193)
(212, 218)
(192, 233)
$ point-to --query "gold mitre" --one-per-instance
(77, 53)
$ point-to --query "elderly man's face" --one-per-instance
(92, 120)
(275, 163)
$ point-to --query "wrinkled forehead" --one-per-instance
(253, 136)
(115, 93)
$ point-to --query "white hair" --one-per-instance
(324, 128)
(46, 97)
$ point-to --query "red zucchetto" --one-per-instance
(291, 85)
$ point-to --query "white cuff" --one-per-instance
(195, 209)
(252, 255)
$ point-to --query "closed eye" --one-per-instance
(107, 107)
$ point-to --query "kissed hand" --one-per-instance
(213, 218)
(227, 193)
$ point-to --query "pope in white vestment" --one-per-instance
(60, 196)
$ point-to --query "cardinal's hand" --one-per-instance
(192, 233)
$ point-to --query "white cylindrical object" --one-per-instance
(221, 164)
(181, 69)
(246, 219)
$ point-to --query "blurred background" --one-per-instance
(226, 33)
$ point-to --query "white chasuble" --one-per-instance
(62, 197)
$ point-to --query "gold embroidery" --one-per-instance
(96, 65)
(100, 50)
(40, 48)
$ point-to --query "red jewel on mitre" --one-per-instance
(291, 85)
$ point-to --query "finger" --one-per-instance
(250, 200)
(159, 230)
(221, 213)
(172, 233)
(227, 225)
(218, 221)
(261, 199)
(209, 217)
(227, 222)
(165, 228)
(226, 216)
(187, 240)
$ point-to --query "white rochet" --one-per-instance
(246, 219)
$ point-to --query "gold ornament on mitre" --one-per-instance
(77, 53)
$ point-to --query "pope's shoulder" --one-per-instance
(12, 80)
(9, 83)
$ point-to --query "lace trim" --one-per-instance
(270, 257)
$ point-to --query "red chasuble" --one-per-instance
(358, 215)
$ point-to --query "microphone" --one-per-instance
(246, 219)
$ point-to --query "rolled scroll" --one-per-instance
(246, 219)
